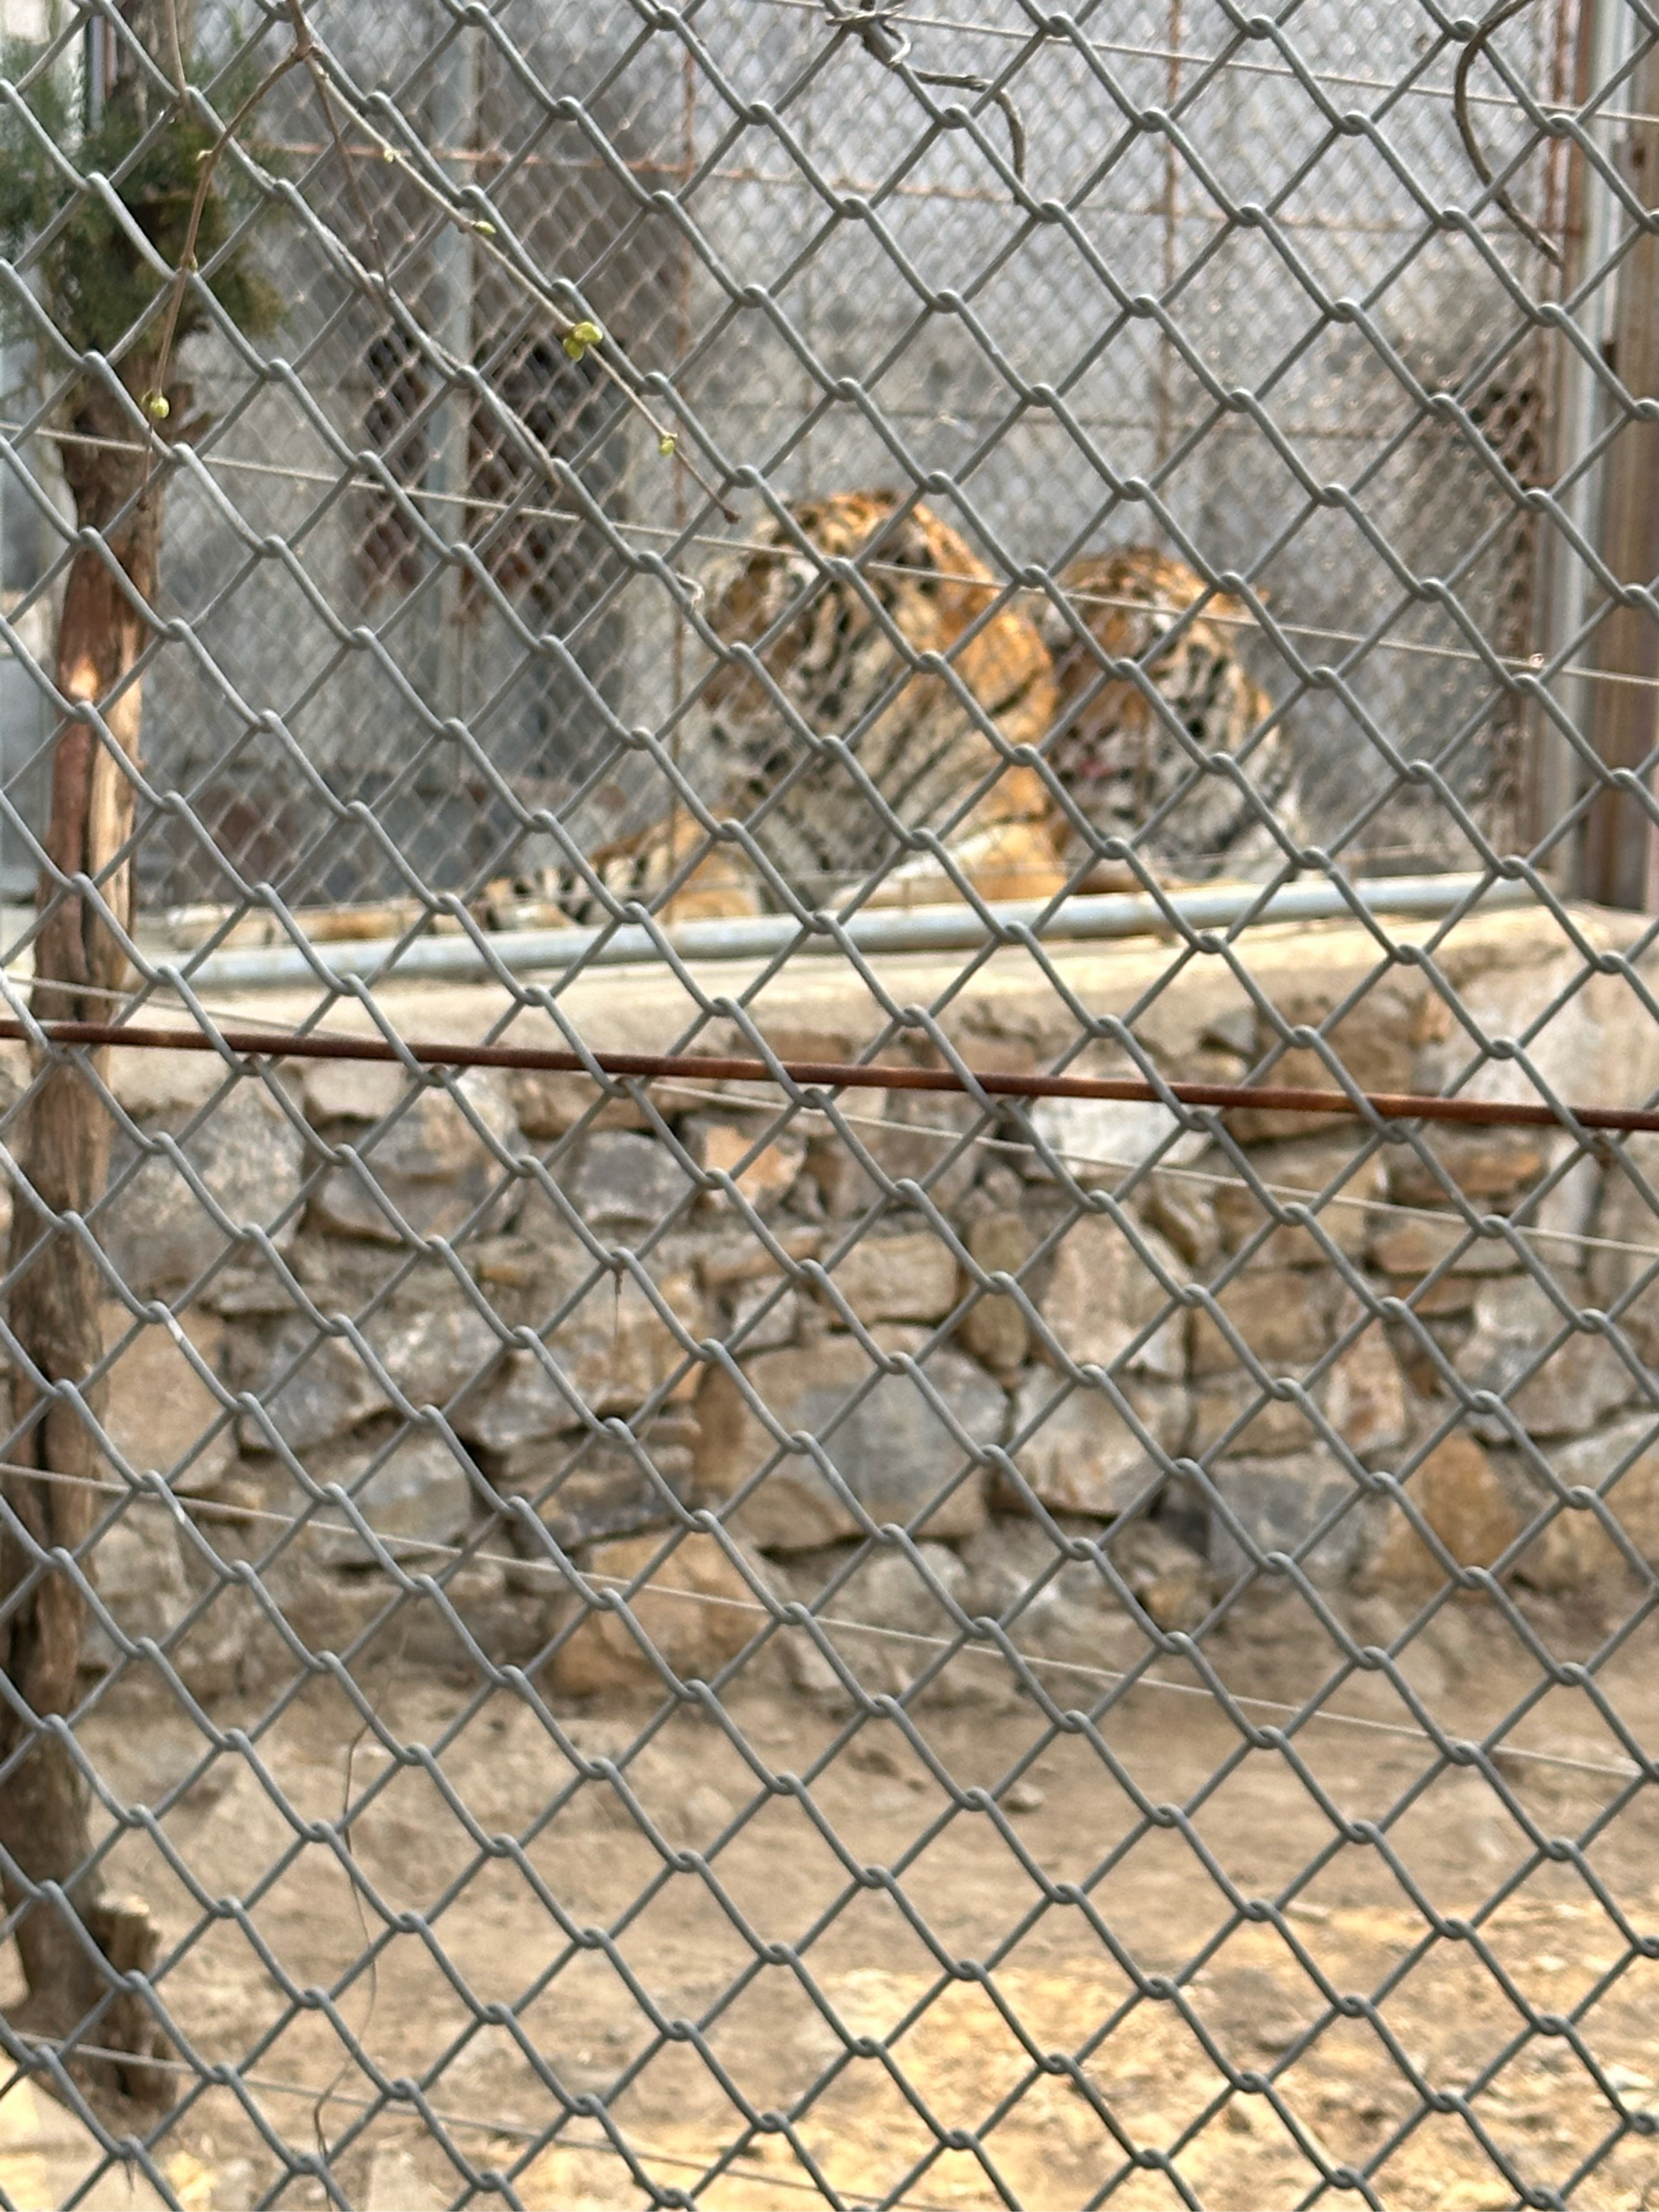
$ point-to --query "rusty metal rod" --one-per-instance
(837, 1075)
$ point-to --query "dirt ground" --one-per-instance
(1113, 1929)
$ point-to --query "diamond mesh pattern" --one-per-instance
(729, 1644)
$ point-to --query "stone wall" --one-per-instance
(1081, 1351)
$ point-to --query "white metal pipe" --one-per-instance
(1582, 413)
(884, 929)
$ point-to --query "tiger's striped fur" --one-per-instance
(1113, 747)
(912, 663)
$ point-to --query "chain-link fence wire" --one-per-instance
(679, 1642)
(812, 344)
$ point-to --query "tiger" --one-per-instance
(1111, 747)
(924, 674)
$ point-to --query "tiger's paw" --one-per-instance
(1007, 862)
(722, 885)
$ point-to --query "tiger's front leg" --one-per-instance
(1010, 848)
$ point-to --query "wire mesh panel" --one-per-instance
(829, 1113)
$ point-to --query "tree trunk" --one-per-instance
(70, 1935)
(67, 1941)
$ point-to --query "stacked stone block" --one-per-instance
(1082, 1354)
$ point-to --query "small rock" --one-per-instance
(1232, 1029)
(431, 1166)
(549, 1104)
(230, 1645)
(138, 1571)
(704, 1814)
(613, 1349)
(1258, 2012)
(1365, 1398)
(1573, 1549)
(891, 1450)
(1284, 1316)
(1488, 1166)
(1023, 1796)
(996, 1330)
(421, 1494)
(1273, 1427)
(586, 1487)
(396, 2183)
(696, 1613)
(1183, 1212)
(1373, 1044)
(910, 1147)
(1413, 1248)
(887, 1594)
(725, 1260)
(351, 1090)
(1098, 1139)
(242, 1292)
(248, 1156)
(1277, 1503)
(1052, 1607)
(902, 1146)
(1085, 1457)
(1458, 1490)
(1624, 1215)
(159, 1410)
(1624, 2078)
(621, 1184)
(768, 1178)
(756, 1330)
(1300, 1173)
(871, 1756)
(1565, 1208)
(155, 1083)
(1170, 1579)
(431, 1352)
(328, 1394)
(1582, 1380)
(909, 1278)
(1104, 1291)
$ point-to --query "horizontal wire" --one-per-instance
(509, 2130)
(1399, 226)
(1216, 1178)
(545, 1572)
(1440, 1217)
(837, 1075)
(1023, 33)
(1511, 664)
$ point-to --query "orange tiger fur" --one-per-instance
(836, 657)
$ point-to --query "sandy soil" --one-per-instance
(937, 1954)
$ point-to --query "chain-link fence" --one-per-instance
(832, 1301)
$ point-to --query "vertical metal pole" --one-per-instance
(1606, 41)
(1619, 859)
(455, 108)
(456, 834)
(682, 348)
(1170, 210)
